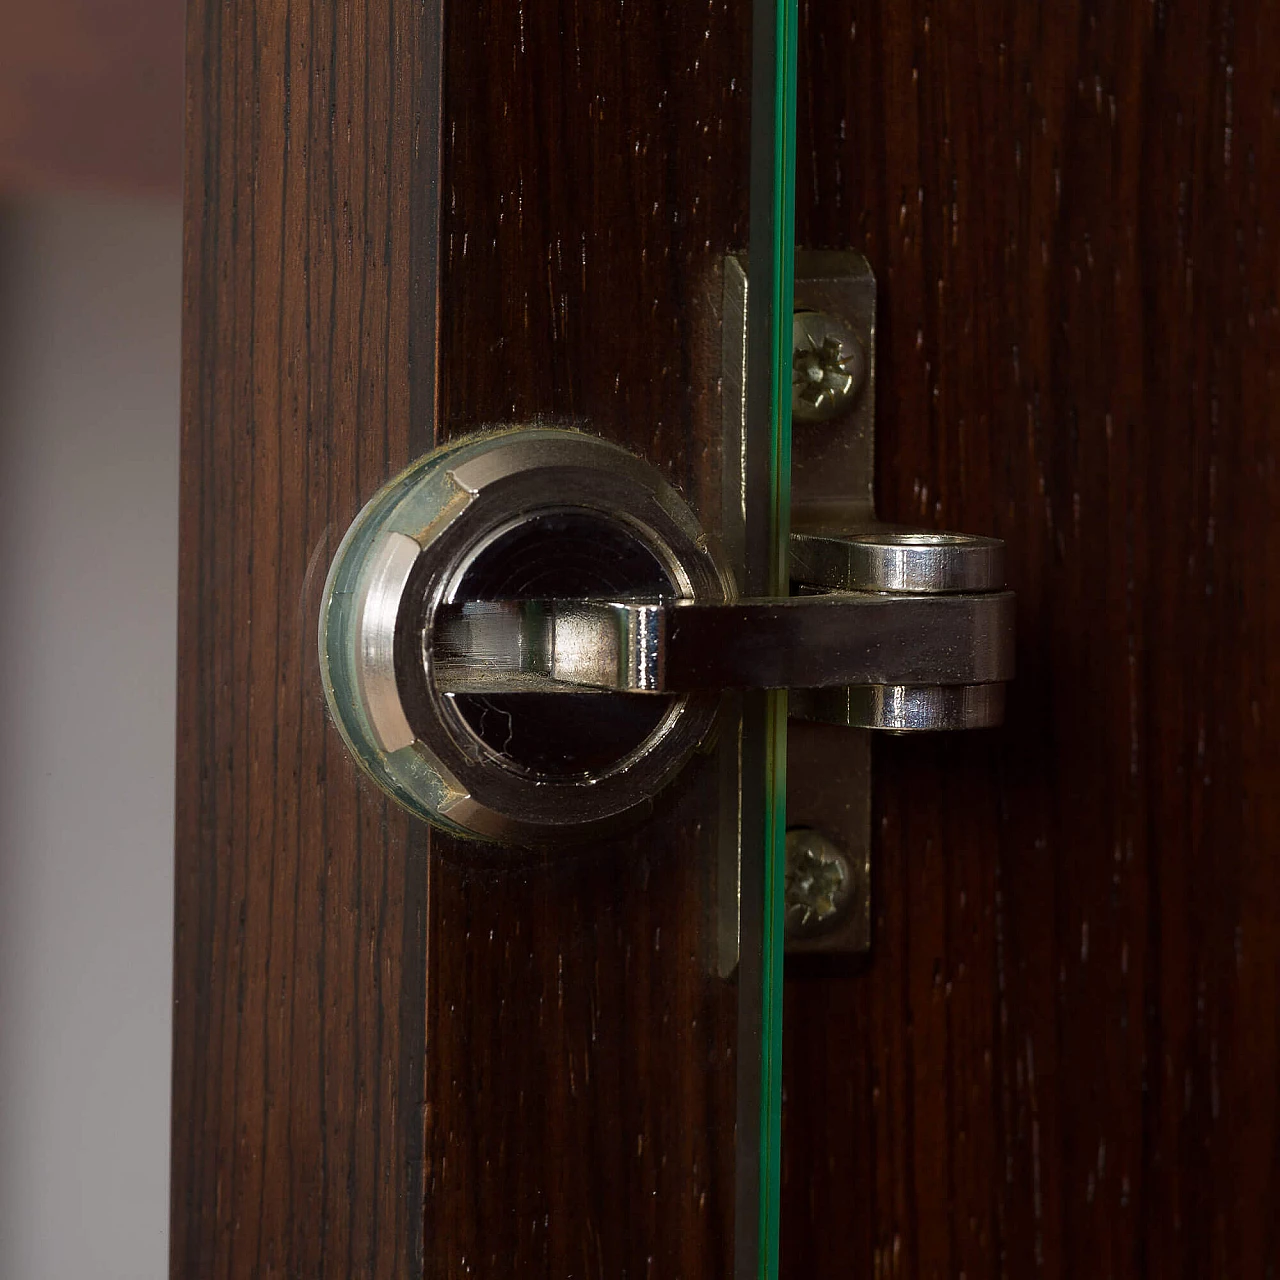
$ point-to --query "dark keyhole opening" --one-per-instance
(564, 555)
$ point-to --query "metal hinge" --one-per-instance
(838, 546)
(485, 600)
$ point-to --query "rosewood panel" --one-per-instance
(394, 1057)
(581, 1051)
(1061, 1058)
(298, 1103)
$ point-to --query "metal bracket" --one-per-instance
(837, 545)
(827, 641)
(832, 488)
(534, 561)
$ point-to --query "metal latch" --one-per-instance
(526, 634)
(900, 621)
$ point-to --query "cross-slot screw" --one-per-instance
(828, 366)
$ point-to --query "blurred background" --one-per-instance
(90, 287)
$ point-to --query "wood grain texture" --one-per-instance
(1061, 1058)
(300, 928)
(552, 1022)
(581, 1077)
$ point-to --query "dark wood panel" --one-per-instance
(575, 1071)
(581, 1077)
(1061, 1058)
(301, 927)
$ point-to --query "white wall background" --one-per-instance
(89, 318)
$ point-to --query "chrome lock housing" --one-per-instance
(519, 514)
(526, 634)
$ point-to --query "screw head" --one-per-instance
(828, 366)
(819, 888)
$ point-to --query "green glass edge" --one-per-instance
(781, 308)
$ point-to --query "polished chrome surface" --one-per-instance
(548, 646)
(906, 708)
(895, 561)
(888, 558)
(828, 366)
(391, 561)
(420, 742)
(795, 642)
